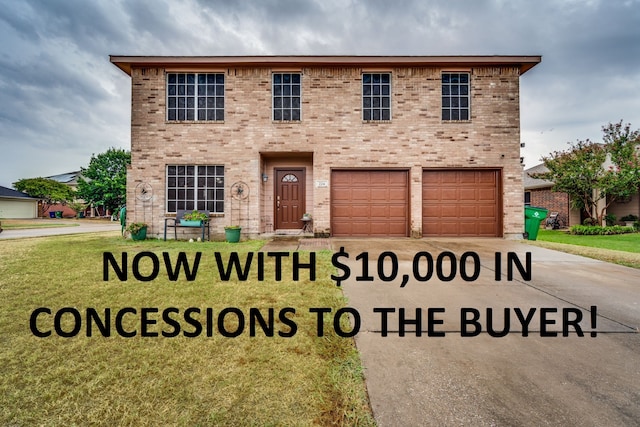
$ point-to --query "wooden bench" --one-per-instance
(174, 222)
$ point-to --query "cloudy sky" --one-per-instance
(62, 99)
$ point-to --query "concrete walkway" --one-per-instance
(296, 244)
(75, 227)
(515, 379)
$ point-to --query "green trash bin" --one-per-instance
(533, 216)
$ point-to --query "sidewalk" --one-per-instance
(296, 244)
(75, 227)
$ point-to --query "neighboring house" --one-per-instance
(622, 208)
(369, 146)
(538, 192)
(15, 204)
(70, 179)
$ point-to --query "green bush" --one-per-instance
(589, 230)
(610, 219)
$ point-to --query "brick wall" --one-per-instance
(331, 134)
(554, 202)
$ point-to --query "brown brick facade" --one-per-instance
(330, 135)
(554, 202)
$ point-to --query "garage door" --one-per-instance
(10, 208)
(461, 203)
(369, 203)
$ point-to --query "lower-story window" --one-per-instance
(195, 187)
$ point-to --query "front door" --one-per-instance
(289, 201)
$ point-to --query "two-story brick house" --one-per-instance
(369, 146)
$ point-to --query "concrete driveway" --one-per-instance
(480, 379)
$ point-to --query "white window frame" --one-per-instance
(190, 99)
(449, 111)
(279, 97)
(369, 96)
(201, 188)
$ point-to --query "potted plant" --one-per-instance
(232, 233)
(193, 219)
(138, 230)
(629, 219)
(306, 216)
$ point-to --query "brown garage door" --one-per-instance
(369, 203)
(461, 203)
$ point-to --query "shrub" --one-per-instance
(629, 218)
(610, 219)
(585, 230)
(589, 222)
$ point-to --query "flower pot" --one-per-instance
(232, 235)
(190, 223)
(140, 235)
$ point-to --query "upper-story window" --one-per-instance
(455, 96)
(376, 96)
(286, 96)
(195, 96)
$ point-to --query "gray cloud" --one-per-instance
(63, 100)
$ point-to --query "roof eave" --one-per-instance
(126, 63)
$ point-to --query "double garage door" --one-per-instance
(372, 203)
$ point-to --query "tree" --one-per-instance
(590, 172)
(47, 190)
(104, 182)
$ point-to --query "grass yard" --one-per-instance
(14, 224)
(190, 381)
(623, 249)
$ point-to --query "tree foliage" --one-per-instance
(47, 190)
(104, 182)
(589, 172)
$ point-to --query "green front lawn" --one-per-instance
(619, 242)
(202, 380)
(623, 249)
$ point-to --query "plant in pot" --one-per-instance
(138, 230)
(629, 219)
(232, 233)
(193, 219)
